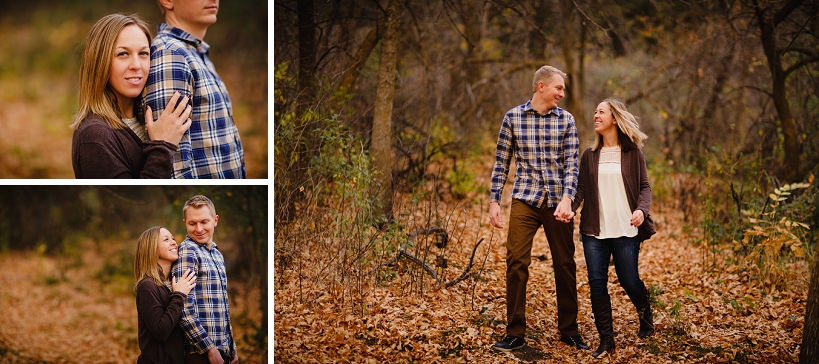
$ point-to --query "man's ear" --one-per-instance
(215, 220)
(167, 4)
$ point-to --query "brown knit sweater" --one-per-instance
(161, 338)
(635, 180)
(99, 151)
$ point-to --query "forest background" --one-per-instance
(386, 118)
(41, 44)
(67, 260)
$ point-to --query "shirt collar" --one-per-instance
(184, 36)
(204, 246)
(528, 107)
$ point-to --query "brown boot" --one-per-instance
(643, 305)
(601, 307)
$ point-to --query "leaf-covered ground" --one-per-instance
(706, 308)
(57, 310)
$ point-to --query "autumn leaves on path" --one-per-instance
(706, 309)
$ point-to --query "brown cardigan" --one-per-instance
(161, 338)
(635, 180)
(99, 151)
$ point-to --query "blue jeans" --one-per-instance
(624, 251)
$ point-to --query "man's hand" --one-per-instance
(637, 218)
(214, 357)
(495, 215)
(235, 358)
(564, 212)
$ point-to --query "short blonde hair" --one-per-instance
(197, 202)
(146, 259)
(544, 73)
(96, 95)
(629, 135)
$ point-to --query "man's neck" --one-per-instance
(539, 106)
(196, 31)
(206, 245)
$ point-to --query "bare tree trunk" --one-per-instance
(768, 20)
(367, 45)
(809, 353)
(573, 92)
(307, 52)
(381, 146)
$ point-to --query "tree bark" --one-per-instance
(381, 145)
(809, 352)
(307, 53)
(573, 86)
(768, 20)
(367, 45)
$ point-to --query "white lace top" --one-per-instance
(615, 214)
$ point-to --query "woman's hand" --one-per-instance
(637, 218)
(186, 284)
(173, 122)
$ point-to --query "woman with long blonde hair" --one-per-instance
(614, 222)
(160, 297)
(110, 138)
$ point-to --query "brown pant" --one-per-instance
(524, 221)
(197, 358)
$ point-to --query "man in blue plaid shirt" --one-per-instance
(543, 139)
(206, 316)
(211, 148)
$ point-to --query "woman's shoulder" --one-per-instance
(94, 125)
(147, 284)
(587, 152)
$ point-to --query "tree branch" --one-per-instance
(786, 10)
(801, 64)
(468, 267)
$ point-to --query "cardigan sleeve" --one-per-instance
(98, 151)
(644, 199)
(160, 320)
(96, 154)
(582, 181)
(158, 159)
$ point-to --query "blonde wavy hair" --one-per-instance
(629, 135)
(146, 259)
(96, 95)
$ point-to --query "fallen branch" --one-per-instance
(402, 252)
(468, 267)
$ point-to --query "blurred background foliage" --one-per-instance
(40, 48)
(726, 91)
(64, 222)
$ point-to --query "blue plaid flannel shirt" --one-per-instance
(545, 148)
(211, 148)
(206, 316)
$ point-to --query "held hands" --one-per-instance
(637, 218)
(186, 284)
(173, 122)
(563, 212)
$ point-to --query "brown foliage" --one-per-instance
(54, 312)
(706, 310)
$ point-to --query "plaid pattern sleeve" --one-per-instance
(571, 152)
(503, 156)
(546, 150)
(211, 148)
(206, 316)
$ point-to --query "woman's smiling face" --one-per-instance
(130, 65)
(168, 250)
(603, 120)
